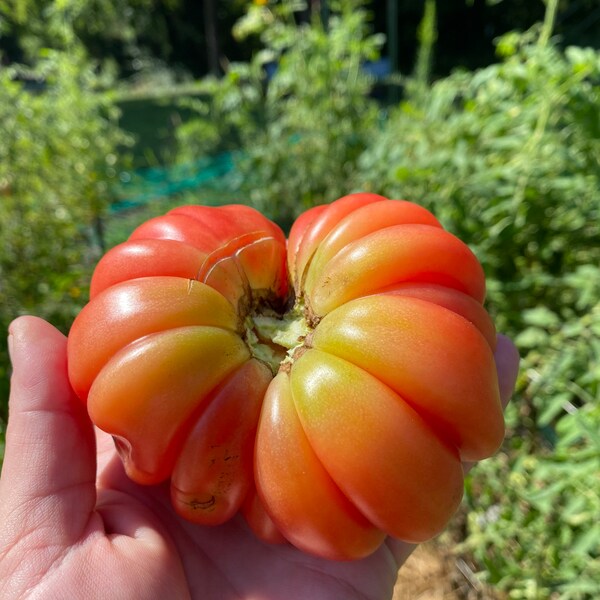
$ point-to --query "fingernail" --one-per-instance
(13, 340)
(11, 345)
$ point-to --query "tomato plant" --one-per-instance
(327, 387)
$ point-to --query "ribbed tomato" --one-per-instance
(327, 387)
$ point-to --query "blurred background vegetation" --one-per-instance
(486, 112)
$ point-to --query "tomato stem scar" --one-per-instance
(275, 338)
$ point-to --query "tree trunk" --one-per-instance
(212, 37)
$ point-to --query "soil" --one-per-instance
(433, 572)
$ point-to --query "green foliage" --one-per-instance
(509, 158)
(58, 153)
(38, 24)
(534, 509)
(301, 135)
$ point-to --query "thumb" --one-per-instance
(48, 476)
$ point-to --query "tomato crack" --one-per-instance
(206, 505)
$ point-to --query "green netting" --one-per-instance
(144, 185)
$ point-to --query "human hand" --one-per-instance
(72, 525)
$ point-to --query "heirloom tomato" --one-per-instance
(327, 387)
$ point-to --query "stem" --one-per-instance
(427, 37)
(549, 22)
(545, 109)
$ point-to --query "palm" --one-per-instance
(73, 525)
(229, 562)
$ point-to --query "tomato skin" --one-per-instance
(207, 228)
(417, 253)
(222, 239)
(379, 452)
(229, 222)
(369, 217)
(322, 223)
(143, 258)
(149, 406)
(259, 520)
(295, 238)
(358, 433)
(213, 473)
(133, 309)
(453, 300)
(454, 385)
(309, 508)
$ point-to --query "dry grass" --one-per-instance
(434, 573)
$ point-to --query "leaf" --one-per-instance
(532, 337)
(541, 316)
(554, 408)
